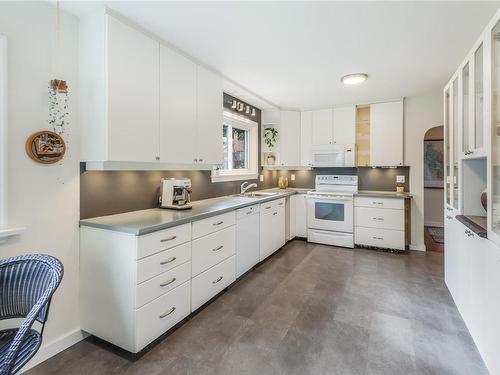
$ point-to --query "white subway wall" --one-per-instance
(422, 112)
(43, 198)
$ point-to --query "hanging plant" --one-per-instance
(270, 137)
(58, 106)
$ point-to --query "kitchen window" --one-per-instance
(240, 149)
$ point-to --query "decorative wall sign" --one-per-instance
(45, 147)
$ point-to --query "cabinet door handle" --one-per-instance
(280, 204)
(275, 213)
(164, 315)
(168, 261)
(218, 248)
(200, 160)
(379, 203)
(449, 217)
(378, 238)
(168, 239)
(217, 223)
(168, 282)
(268, 207)
(217, 280)
(195, 160)
(378, 218)
(449, 209)
(249, 212)
(157, 158)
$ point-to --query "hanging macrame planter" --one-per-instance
(58, 106)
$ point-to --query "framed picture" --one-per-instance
(434, 164)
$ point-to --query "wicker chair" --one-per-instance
(27, 284)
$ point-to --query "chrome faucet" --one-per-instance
(243, 188)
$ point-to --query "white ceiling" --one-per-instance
(294, 53)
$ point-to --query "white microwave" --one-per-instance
(334, 156)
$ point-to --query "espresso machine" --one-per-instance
(175, 193)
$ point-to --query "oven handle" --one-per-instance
(329, 199)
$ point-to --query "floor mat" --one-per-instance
(437, 234)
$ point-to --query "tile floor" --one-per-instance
(309, 309)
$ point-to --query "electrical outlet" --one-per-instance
(400, 179)
(292, 177)
(261, 177)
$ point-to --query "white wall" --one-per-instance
(421, 113)
(43, 198)
(434, 207)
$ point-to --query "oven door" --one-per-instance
(334, 214)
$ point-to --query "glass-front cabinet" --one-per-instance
(454, 145)
(447, 152)
(494, 199)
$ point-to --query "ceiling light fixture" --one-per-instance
(353, 79)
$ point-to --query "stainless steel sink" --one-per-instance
(260, 194)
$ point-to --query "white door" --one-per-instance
(290, 139)
(300, 215)
(386, 134)
(177, 108)
(209, 117)
(132, 94)
(279, 227)
(344, 125)
(306, 139)
(322, 124)
(267, 234)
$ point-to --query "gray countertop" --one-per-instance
(386, 194)
(154, 219)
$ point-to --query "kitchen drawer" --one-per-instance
(164, 239)
(158, 263)
(272, 205)
(377, 202)
(247, 211)
(157, 317)
(379, 218)
(161, 284)
(212, 281)
(212, 249)
(384, 238)
(213, 224)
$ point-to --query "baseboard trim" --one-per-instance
(54, 347)
(434, 224)
(418, 247)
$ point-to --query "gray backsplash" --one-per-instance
(112, 192)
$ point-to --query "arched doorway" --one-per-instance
(433, 189)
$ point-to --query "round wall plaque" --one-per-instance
(45, 147)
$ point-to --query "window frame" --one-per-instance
(250, 173)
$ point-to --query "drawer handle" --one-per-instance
(268, 207)
(280, 204)
(168, 261)
(275, 213)
(164, 315)
(378, 218)
(378, 238)
(217, 280)
(449, 217)
(168, 282)
(218, 248)
(218, 223)
(381, 203)
(249, 212)
(168, 239)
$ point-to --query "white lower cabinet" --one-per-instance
(211, 282)
(272, 229)
(213, 249)
(158, 316)
(300, 215)
(380, 222)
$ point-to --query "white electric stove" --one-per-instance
(330, 210)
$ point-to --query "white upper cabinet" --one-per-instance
(322, 127)
(290, 138)
(306, 139)
(177, 107)
(209, 117)
(140, 101)
(344, 125)
(132, 94)
(386, 134)
(119, 80)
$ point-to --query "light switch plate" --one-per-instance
(292, 177)
(261, 177)
(400, 179)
